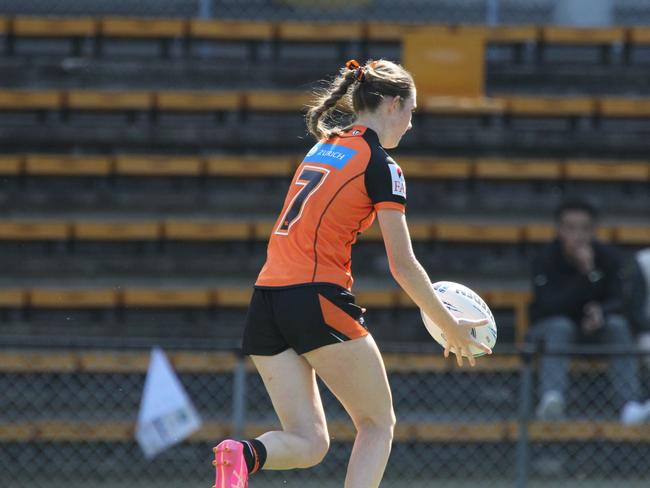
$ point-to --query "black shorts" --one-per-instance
(303, 318)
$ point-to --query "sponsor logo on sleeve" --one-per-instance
(397, 180)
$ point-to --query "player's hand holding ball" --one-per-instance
(470, 329)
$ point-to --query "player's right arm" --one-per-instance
(413, 278)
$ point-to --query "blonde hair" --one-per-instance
(358, 88)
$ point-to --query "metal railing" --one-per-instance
(73, 426)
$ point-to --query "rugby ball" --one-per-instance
(464, 303)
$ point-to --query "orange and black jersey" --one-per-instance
(334, 195)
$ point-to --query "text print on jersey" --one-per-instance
(310, 178)
(397, 177)
(330, 154)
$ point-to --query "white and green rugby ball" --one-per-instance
(464, 303)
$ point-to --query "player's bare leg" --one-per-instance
(291, 384)
(355, 373)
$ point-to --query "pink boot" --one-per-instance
(230, 465)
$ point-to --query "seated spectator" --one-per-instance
(637, 299)
(578, 298)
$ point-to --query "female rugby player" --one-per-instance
(303, 320)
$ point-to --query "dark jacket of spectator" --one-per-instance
(559, 288)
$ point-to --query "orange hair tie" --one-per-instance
(353, 65)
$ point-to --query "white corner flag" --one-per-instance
(166, 415)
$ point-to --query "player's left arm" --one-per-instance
(414, 280)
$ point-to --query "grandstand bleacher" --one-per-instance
(102, 161)
(144, 160)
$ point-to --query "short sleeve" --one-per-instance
(385, 183)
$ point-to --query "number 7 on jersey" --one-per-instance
(310, 178)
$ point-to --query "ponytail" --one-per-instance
(326, 103)
(370, 84)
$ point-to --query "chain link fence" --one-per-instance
(588, 445)
(456, 428)
(623, 12)
(473, 11)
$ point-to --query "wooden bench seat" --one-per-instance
(262, 229)
(320, 31)
(277, 100)
(416, 167)
(34, 361)
(140, 27)
(539, 232)
(461, 232)
(189, 361)
(158, 165)
(605, 233)
(638, 35)
(624, 107)
(453, 231)
(11, 164)
(405, 431)
(117, 231)
(233, 297)
(194, 230)
(164, 298)
(67, 298)
(446, 168)
(580, 35)
(601, 170)
(292, 101)
(518, 169)
(13, 297)
(550, 106)
(231, 30)
(67, 165)
(515, 300)
(198, 101)
(250, 166)
(462, 105)
(109, 100)
(35, 26)
(11, 230)
(632, 234)
(383, 298)
(30, 99)
(508, 34)
(388, 31)
(305, 31)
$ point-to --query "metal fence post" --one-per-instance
(239, 397)
(205, 10)
(525, 401)
(492, 12)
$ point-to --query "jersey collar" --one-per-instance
(361, 130)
